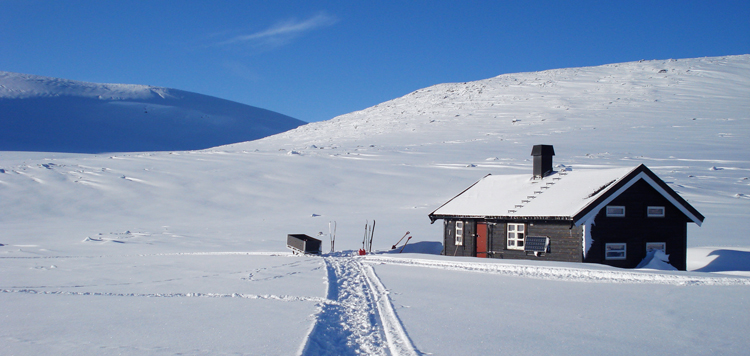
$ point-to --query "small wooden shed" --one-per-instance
(609, 216)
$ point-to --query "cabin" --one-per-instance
(609, 216)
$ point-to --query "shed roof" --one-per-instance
(563, 195)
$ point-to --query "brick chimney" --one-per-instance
(542, 160)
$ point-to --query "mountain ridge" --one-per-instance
(60, 115)
(645, 87)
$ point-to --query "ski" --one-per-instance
(399, 240)
(372, 233)
(403, 247)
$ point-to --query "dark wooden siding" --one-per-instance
(636, 228)
(565, 240)
(449, 239)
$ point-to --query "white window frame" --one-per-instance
(656, 214)
(613, 211)
(656, 246)
(459, 233)
(513, 242)
(616, 248)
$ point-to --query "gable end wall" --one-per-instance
(636, 228)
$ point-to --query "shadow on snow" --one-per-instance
(728, 260)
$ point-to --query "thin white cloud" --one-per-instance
(241, 70)
(283, 32)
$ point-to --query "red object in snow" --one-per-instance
(362, 252)
(399, 241)
(403, 247)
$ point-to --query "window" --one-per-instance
(656, 246)
(615, 211)
(459, 233)
(615, 251)
(516, 233)
(655, 211)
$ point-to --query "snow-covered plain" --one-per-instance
(184, 252)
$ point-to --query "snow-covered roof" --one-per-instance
(565, 194)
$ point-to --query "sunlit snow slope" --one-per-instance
(688, 120)
(58, 115)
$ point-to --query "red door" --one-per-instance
(482, 240)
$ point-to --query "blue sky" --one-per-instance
(314, 60)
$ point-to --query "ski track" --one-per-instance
(564, 273)
(283, 298)
(398, 342)
(359, 319)
(356, 317)
(271, 254)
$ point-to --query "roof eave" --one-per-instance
(640, 172)
(456, 196)
(434, 217)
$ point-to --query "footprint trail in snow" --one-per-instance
(360, 321)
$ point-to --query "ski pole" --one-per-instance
(407, 241)
(399, 241)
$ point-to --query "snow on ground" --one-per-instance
(184, 251)
(450, 311)
(362, 320)
(202, 303)
(735, 261)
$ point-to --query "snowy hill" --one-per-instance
(184, 251)
(638, 97)
(688, 120)
(58, 115)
